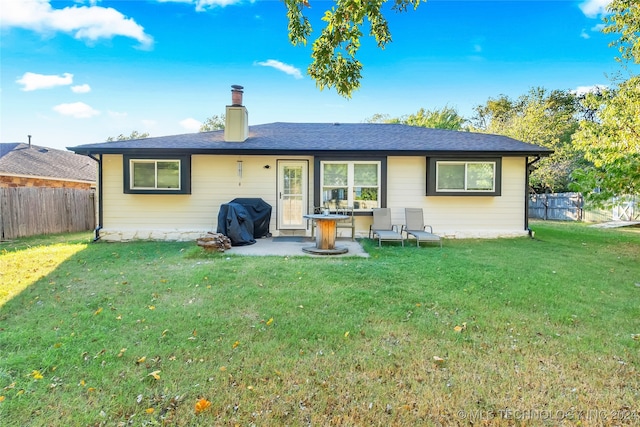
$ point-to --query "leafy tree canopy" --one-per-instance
(611, 141)
(612, 144)
(444, 118)
(546, 118)
(134, 135)
(213, 123)
(625, 20)
(334, 63)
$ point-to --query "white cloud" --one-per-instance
(202, 5)
(85, 88)
(584, 34)
(89, 23)
(190, 124)
(285, 68)
(117, 114)
(33, 81)
(78, 110)
(594, 8)
(583, 90)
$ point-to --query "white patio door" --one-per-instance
(292, 194)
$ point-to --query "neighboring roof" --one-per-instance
(20, 159)
(324, 138)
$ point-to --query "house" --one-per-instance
(172, 187)
(26, 165)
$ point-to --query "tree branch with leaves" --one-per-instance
(334, 62)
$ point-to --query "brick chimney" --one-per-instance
(236, 126)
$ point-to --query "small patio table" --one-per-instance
(326, 235)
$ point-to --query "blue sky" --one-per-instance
(78, 72)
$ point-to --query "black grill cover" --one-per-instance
(260, 213)
(243, 220)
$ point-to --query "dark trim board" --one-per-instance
(185, 173)
(317, 191)
(431, 177)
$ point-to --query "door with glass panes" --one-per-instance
(292, 194)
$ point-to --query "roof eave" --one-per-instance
(289, 152)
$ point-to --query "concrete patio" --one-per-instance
(292, 246)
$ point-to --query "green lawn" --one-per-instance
(542, 331)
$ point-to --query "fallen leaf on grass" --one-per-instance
(269, 322)
(149, 410)
(346, 334)
(461, 328)
(202, 405)
(122, 350)
(141, 360)
(235, 344)
(2, 398)
(98, 311)
(154, 374)
(36, 375)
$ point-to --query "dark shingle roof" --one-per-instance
(320, 138)
(22, 159)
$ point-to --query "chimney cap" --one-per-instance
(237, 87)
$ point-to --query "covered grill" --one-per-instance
(244, 219)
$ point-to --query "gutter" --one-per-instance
(528, 171)
(100, 212)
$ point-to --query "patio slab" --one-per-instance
(271, 246)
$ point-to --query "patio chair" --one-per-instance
(382, 228)
(414, 226)
(347, 223)
(316, 210)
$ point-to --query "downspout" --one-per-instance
(528, 171)
(100, 218)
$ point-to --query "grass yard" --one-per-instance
(542, 331)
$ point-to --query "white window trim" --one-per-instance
(351, 179)
(465, 189)
(155, 162)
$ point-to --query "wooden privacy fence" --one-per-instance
(556, 206)
(29, 211)
(570, 207)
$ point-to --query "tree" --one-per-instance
(213, 123)
(334, 62)
(539, 117)
(612, 144)
(134, 135)
(625, 20)
(444, 118)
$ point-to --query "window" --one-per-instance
(350, 183)
(452, 177)
(157, 176)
